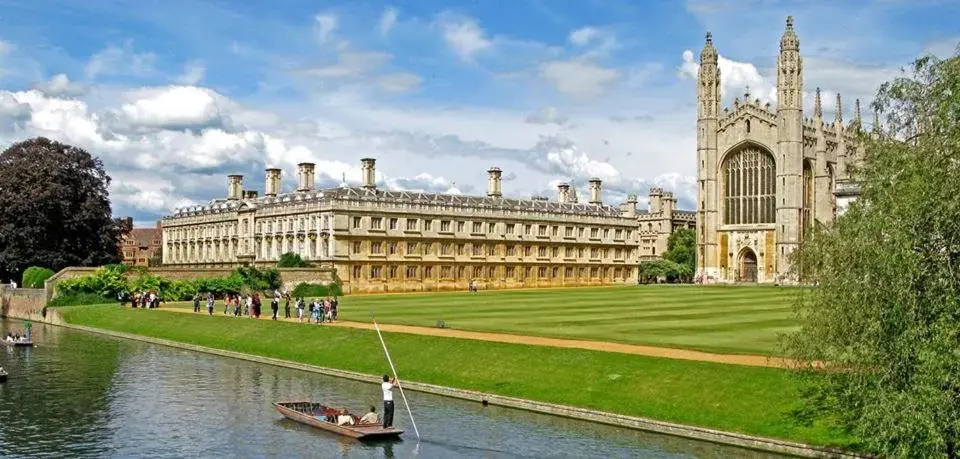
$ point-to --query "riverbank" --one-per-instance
(745, 400)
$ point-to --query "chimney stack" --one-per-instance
(669, 203)
(629, 207)
(563, 192)
(273, 182)
(249, 194)
(305, 178)
(234, 187)
(595, 185)
(493, 182)
(368, 167)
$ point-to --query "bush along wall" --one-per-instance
(109, 282)
(35, 276)
(317, 291)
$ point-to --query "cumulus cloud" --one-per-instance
(735, 77)
(172, 108)
(582, 36)
(387, 20)
(399, 82)
(548, 115)
(578, 78)
(326, 24)
(464, 36)
(193, 73)
(120, 60)
(60, 85)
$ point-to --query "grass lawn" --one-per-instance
(722, 319)
(750, 400)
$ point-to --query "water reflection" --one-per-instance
(84, 395)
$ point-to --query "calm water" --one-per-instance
(85, 395)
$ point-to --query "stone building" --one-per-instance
(140, 245)
(765, 176)
(382, 240)
(661, 219)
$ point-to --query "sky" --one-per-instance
(173, 96)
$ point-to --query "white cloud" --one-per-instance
(349, 63)
(583, 35)
(120, 60)
(60, 85)
(578, 78)
(548, 115)
(387, 20)
(399, 82)
(735, 77)
(173, 108)
(326, 24)
(193, 73)
(464, 37)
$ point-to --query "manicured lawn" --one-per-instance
(750, 400)
(723, 319)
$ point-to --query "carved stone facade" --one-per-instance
(765, 176)
(660, 221)
(381, 240)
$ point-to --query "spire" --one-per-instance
(709, 53)
(856, 111)
(838, 116)
(343, 180)
(746, 95)
(789, 40)
(817, 106)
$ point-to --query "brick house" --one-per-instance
(140, 245)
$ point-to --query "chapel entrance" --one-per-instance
(748, 266)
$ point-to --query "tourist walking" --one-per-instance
(196, 302)
(275, 306)
(333, 309)
(210, 303)
(300, 307)
(286, 306)
(256, 305)
(387, 387)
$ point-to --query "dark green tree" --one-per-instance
(884, 317)
(54, 208)
(292, 260)
(682, 250)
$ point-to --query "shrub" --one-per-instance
(34, 276)
(259, 280)
(292, 260)
(78, 299)
(106, 282)
(317, 290)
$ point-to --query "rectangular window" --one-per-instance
(445, 225)
(428, 225)
(375, 247)
(411, 248)
(593, 232)
(568, 231)
(376, 272)
(392, 248)
(356, 222)
(510, 251)
(445, 272)
(376, 223)
(542, 272)
(411, 272)
(393, 223)
(428, 271)
(542, 251)
(460, 226)
(477, 227)
(542, 230)
(510, 228)
(412, 224)
(511, 272)
(357, 272)
(477, 271)
(461, 249)
(356, 247)
(527, 250)
(393, 272)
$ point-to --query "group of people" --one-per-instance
(342, 417)
(16, 338)
(250, 306)
(145, 299)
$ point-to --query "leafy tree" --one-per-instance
(885, 316)
(35, 276)
(682, 250)
(54, 208)
(291, 260)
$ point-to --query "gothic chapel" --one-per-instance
(764, 175)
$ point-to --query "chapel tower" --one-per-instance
(708, 111)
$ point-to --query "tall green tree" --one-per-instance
(54, 208)
(682, 250)
(885, 314)
(292, 260)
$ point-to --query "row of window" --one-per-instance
(488, 272)
(449, 226)
(226, 229)
(484, 249)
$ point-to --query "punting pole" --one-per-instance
(390, 361)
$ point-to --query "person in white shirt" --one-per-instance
(387, 386)
(371, 417)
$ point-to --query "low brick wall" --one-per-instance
(368, 286)
(25, 304)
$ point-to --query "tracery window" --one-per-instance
(749, 187)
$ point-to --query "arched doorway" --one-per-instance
(748, 266)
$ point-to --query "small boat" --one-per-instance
(17, 343)
(3, 375)
(315, 415)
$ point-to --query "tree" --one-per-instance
(682, 250)
(291, 260)
(884, 318)
(54, 208)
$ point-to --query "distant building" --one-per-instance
(140, 245)
(661, 219)
(385, 240)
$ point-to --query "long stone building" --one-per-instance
(382, 240)
(765, 175)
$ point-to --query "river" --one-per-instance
(78, 394)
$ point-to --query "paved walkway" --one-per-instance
(650, 351)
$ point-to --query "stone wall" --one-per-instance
(25, 303)
(400, 285)
(290, 277)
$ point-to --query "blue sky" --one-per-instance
(174, 95)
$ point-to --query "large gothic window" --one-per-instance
(749, 187)
(807, 196)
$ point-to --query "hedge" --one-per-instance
(316, 290)
(35, 276)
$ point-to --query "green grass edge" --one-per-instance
(749, 400)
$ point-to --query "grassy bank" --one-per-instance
(721, 319)
(749, 400)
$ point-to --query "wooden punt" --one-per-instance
(17, 343)
(314, 414)
(3, 375)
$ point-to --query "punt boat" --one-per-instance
(316, 415)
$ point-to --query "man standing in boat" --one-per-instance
(387, 386)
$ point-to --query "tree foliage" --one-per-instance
(54, 208)
(682, 249)
(885, 316)
(35, 276)
(292, 260)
